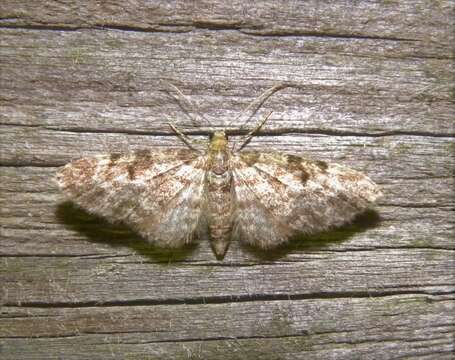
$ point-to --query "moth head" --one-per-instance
(219, 141)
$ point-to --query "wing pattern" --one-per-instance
(280, 195)
(158, 193)
(161, 194)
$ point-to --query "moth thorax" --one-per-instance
(219, 141)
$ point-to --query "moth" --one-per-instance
(171, 197)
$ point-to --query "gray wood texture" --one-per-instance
(373, 90)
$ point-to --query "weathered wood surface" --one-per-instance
(375, 92)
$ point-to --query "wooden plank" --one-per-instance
(372, 89)
(103, 279)
(421, 20)
(270, 329)
(407, 156)
(346, 85)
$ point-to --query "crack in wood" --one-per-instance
(253, 30)
(209, 300)
(235, 132)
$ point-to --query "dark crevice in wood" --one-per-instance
(395, 339)
(27, 316)
(285, 131)
(31, 164)
(236, 132)
(206, 25)
(230, 299)
(218, 26)
(169, 29)
(318, 34)
(24, 125)
(42, 27)
(7, 191)
(221, 338)
(79, 256)
(38, 337)
(311, 352)
(301, 333)
(367, 249)
(427, 177)
(164, 28)
(220, 264)
(215, 338)
(420, 206)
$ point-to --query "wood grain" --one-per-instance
(372, 88)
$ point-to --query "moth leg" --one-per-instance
(200, 119)
(188, 142)
(253, 132)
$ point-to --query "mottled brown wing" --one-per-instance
(157, 193)
(280, 195)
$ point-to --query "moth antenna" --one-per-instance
(257, 103)
(253, 132)
(188, 142)
(183, 100)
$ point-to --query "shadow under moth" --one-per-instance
(170, 197)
